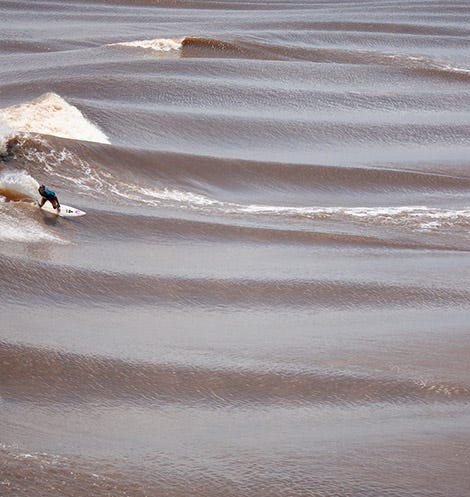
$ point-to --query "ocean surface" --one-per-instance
(270, 292)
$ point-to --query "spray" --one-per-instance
(18, 185)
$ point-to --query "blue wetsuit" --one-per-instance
(47, 194)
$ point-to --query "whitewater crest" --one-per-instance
(420, 218)
(18, 185)
(50, 114)
(158, 44)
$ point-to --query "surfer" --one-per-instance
(48, 195)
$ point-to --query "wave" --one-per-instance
(166, 180)
(194, 46)
(61, 165)
(253, 48)
(50, 114)
(186, 46)
(21, 279)
(412, 217)
(34, 374)
(217, 174)
(213, 174)
(119, 226)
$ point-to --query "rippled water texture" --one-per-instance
(269, 294)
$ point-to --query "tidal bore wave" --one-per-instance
(41, 375)
(191, 46)
(66, 285)
(268, 294)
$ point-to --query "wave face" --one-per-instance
(269, 293)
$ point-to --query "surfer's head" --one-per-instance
(41, 189)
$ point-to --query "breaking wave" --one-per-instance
(18, 185)
(50, 114)
(414, 217)
(158, 44)
(257, 48)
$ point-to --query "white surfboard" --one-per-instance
(65, 210)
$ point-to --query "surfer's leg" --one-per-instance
(55, 204)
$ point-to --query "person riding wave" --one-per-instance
(48, 195)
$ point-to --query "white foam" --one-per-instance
(5, 130)
(414, 217)
(50, 114)
(177, 196)
(19, 182)
(158, 44)
(5, 133)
